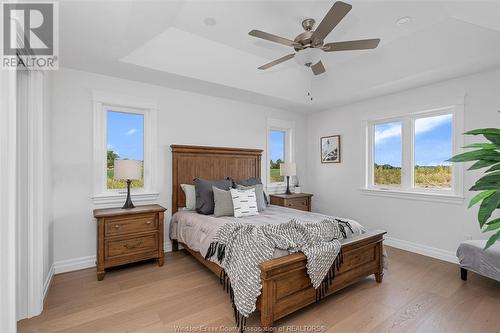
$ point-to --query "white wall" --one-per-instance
(336, 186)
(48, 226)
(184, 118)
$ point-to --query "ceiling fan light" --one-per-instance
(308, 57)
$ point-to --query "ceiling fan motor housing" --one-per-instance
(305, 40)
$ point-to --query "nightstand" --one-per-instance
(301, 201)
(128, 235)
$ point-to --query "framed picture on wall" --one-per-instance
(330, 149)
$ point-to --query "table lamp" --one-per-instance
(128, 170)
(288, 169)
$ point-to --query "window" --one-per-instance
(125, 140)
(387, 165)
(279, 149)
(277, 152)
(410, 153)
(433, 146)
(124, 128)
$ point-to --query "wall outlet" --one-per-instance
(467, 237)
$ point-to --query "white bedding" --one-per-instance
(197, 230)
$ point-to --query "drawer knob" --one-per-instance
(117, 226)
(148, 222)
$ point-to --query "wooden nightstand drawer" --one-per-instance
(127, 225)
(120, 247)
(128, 235)
(302, 204)
(300, 201)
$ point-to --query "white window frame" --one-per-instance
(407, 188)
(289, 128)
(104, 102)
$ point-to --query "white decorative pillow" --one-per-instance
(244, 202)
(189, 191)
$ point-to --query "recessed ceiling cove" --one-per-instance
(169, 43)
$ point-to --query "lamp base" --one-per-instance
(128, 203)
(288, 185)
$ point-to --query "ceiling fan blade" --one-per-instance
(330, 21)
(363, 44)
(277, 61)
(318, 68)
(272, 38)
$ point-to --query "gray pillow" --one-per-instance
(250, 182)
(247, 182)
(205, 194)
(259, 194)
(223, 202)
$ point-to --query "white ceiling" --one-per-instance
(168, 43)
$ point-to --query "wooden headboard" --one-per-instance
(189, 162)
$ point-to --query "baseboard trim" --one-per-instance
(75, 264)
(48, 281)
(425, 250)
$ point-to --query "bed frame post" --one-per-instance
(379, 275)
(267, 302)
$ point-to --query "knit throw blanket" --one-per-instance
(240, 248)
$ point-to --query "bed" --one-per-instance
(286, 286)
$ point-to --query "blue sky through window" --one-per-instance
(126, 134)
(388, 144)
(433, 141)
(277, 145)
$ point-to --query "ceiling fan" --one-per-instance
(310, 45)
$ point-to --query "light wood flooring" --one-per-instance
(418, 294)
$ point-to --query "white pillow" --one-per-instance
(244, 202)
(190, 193)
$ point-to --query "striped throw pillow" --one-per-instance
(244, 202)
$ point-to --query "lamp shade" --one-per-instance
(288, 169)
(128, 169)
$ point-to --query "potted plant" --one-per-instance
(486, 155)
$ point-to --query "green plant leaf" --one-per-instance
(481, 164)
(492, 240)
(480, 196)
(493, 221)
(494, 168)
(480, 154)
(485, 186)
(483, 146)
(487, 207)
(491, 131)
(492, 225)
(493, 138)
(493, 177)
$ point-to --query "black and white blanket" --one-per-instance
(240, 248)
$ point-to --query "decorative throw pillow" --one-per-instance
(223, 202)
(249, 182)
(259, 194)
(205, 194)
(190, 193)
(244, 202)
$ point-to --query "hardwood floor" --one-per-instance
(418, 294)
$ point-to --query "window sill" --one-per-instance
(119, 198)
(274, 188)
(410, 195)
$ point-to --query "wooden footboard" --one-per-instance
(286, 287)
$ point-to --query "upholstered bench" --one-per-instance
(472, 257)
